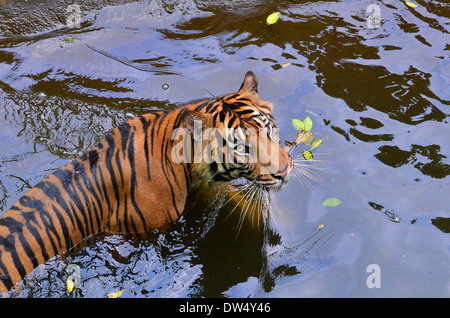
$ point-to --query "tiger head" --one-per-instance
(235, 135)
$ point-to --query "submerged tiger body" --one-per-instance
(130, 182)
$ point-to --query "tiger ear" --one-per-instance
(196, 122)
(250, 84)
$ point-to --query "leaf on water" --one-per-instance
(303, 137)
(272, 18)
(320, 226)
(412, 5)
(316, 143)
(307, 155)
(331, 202)
(289, 143)
(115, 294)
(311, 112)
(308, 123)
(298, 124)
(69, 285)
(286, 64)
(308, 136)
(69, 40)
(300, 137)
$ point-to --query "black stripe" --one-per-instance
(94, 188)
(105, 191)
(52, 192)
(124, 130)
(207, 105)
(231, 121)
(135, 230)
(157, 116)
(80, 180)
(5, 278)
(109, 166)
(245, 112)
(222, 115)
(45, 219)
(125, 215)
(70, 189)
(145, 124)
(163, 150)
(16, 227)
(134, 180)
(65, 176)
(93, 158)
(170, 218)
(9, 245)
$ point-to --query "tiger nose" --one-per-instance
(280, 174)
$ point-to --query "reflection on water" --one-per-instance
(381, 97)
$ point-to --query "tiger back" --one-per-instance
(130, 181)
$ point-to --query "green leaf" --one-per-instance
(311, 112)
(331, 202)
(298, 124)
(307, 155)
(271, 19)
(308, 123)
(69, 40)
(316, 143)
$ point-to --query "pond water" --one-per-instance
(379, 96)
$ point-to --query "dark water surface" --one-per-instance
(381, 96)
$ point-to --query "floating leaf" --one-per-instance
(307, 155)
(320, 226)
(412, 5)
(308, 123)
(303, 137)
(168, 10)
(289, 143)
(69, 40)
(300, 137)
(69, 285)
(286, 64)
(308, 136)
(271, 19)
(311, 112)
(298, 124)
(316, 143)
(331, 202)
(115, 294)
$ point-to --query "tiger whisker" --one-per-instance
(245, 187)
(242, 188)
(248, 198)
(308, 172)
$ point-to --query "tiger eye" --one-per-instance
(240, 148)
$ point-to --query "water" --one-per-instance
(381, 96)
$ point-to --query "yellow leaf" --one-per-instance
(316, 143)
(115, 294)
(307, 155)
(69, 285)
(320, 226)
(412, 5)
(272, 18)
(285, 64)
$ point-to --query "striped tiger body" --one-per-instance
(132, 183)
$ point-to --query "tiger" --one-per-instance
(136, 180)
